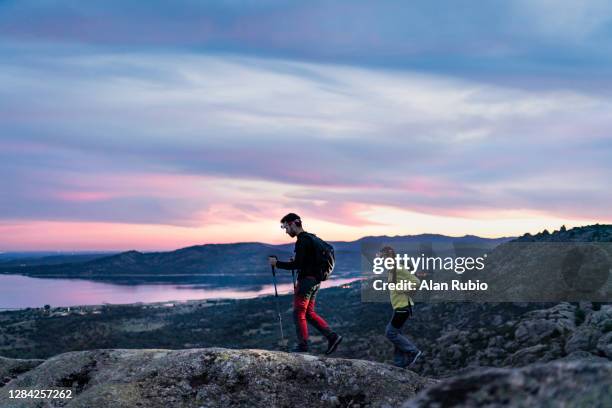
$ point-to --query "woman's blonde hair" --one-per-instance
(389, 252)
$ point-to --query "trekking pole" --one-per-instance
(278, 312)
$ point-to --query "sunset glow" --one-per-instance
(159, 137)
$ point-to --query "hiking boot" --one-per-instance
(413, 358)
(300, 348)
(407, 359)
(332, 342)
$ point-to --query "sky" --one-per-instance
(158, 125)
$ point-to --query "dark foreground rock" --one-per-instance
(213, 377)
(11, 367)
(556, 384)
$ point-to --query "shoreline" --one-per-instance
(286, 290)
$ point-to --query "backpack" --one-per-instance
(325, 258)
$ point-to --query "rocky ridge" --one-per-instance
(212, 377)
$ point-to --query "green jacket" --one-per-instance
(401, 298)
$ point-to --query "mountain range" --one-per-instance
(247, 258)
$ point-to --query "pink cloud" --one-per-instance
(84, 196)
(343, 213)
(430, 187)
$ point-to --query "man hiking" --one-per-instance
(405, 353)
(307, 285)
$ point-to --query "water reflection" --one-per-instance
(18, 291)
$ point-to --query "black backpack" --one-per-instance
(325, 258)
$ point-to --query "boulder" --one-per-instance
(604, 345)
(584, 338)
(585, 356)
(538, 326)
(212, 378)
(567, 384)
(601, 319)
(527, 355)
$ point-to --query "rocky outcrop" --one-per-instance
(212, 378)
(559, 384)
(255, 378)
(564, 331)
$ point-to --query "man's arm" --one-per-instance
(300, 256)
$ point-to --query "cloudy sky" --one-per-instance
(156, 125)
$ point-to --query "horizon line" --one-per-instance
(89, 251)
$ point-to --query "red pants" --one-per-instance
(304, 310)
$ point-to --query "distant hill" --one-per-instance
(31, 259)
(247, 258)
(210, 259)
(434, 238)
(589, 233)
(563, 265)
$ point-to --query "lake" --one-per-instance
(18, 292)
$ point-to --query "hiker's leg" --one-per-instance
(394, 333)
(333, 339)
(317, 321)
(300, 304)
(398, 356)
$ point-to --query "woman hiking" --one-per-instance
(405, 352)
